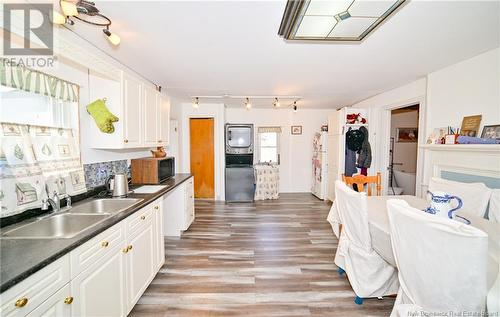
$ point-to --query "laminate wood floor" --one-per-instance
(269, 258)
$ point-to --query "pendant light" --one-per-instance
(248, 105)
(196, 103)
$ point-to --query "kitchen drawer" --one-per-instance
(96, 248)
(30, 293)
(140, 218)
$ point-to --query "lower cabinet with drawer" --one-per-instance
(178, 209)
(105, 276)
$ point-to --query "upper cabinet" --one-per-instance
(132, 102)
(143, 113)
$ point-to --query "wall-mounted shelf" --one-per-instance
(495, 148)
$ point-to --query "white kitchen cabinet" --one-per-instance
(105, 276)
(158, 233)
(178, 206)
(57, 305)
(140, 259)
(151, 115)
(163, 120)
(23, 298)
(143, 113)
(100, 289)
(132, 91)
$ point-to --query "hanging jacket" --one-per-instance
(365, 153)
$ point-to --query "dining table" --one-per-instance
(378, 223)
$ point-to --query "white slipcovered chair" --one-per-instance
(494, 211)
(369, 274)
(442, 263)
(475, 196)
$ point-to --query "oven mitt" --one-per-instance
(103, 118)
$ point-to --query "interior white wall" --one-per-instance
(295, 150)
(205, 110)
(379, 117)
(467, 88)
(404, 152)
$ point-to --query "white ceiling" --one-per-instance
(232, 47)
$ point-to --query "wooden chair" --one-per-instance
(362, 180)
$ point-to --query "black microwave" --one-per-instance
(150, 170)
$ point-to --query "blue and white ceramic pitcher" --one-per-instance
(441, 204)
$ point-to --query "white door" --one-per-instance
(150, 117)
(100, 290)
(163, 120)
(140, 263)
(334, 169)
(133, 108)
(58, 304)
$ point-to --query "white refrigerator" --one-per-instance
(319, 185)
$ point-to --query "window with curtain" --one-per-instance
(268, 144)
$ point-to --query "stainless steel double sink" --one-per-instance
(72, 221)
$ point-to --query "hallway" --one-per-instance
(270, 258)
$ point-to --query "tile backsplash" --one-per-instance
(97, 173)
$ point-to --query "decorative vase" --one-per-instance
(159, 152)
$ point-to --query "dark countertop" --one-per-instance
(20, 258)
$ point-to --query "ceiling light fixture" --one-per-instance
(196, 103)
(85, 11)
(248, 105)
(276, 103)
(295, 106)
(341, 20)
(112, 37)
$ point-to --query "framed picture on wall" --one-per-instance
(296, 129)
(470, 125)
(407, 135)
(491, 132)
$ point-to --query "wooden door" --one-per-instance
(201, 132)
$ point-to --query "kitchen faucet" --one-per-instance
(55, 201)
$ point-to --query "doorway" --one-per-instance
(403, 150)
(201, 131)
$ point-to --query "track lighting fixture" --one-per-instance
(196, 103)
(58, 18)
(248, 105)
(112, 37)
(84, 11)
(295, 106)
(276, 103)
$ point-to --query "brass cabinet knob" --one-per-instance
(125, 250)
(21, 302)
(126, 141)
(105, 243)
(68, 300)
(129, 247)
(156, 207)
(143, 217)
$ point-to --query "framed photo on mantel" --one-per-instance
(470, 125)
